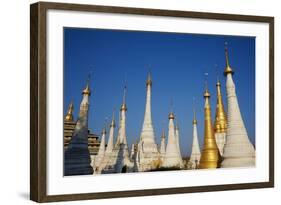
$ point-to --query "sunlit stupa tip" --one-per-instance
(149, 79)
(228, 69)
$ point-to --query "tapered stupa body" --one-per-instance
(132, 153)
(220, 124)
(210, 156)
(195, 151)
(177, 135)
(110, 143)
(100, 156)
(163, 144)
(77, 159)
(172, 156)
(238, 150)
(148, 157)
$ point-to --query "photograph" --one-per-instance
(149, 101)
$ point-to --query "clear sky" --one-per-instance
(177, 63)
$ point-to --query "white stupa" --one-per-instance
(77, 159)
(148, 155)
(238, 150)
(172, 156)
(195, 151)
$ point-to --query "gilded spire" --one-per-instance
(228, 69)
(69, 115)
(123, 106)
(149, 80)
(210, 152)
(220, 120)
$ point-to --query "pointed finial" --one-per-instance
(171, 114)
(123, 107)
(149, 79)
(206, 93)
(194, 112)
(103, 131)
(218, 82)
(105, 124)
(112, 124)
(226, 54)
(218, 79)
(228, 69)
(163, 132)
(87, 90)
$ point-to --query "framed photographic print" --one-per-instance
(135, 102)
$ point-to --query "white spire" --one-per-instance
(238, 150)
(110, 143)
(122, 138)
(172, 155)
(101, 151)
(195, 151)
(163, 143)
(147, 134)
(148, 155)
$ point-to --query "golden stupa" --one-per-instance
(210, 156)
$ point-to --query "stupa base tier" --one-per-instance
(241, 162)
(148, 161)
(172, 162)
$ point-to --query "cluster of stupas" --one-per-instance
(226, 142)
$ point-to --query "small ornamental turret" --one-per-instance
(210, 154)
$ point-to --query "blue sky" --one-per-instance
(177, 63)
